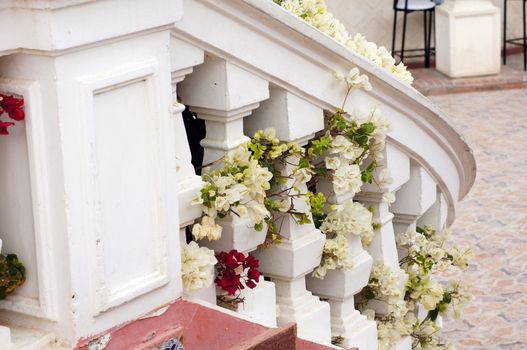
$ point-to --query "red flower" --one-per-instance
(12, 106)
(4, 126)
(235, 271)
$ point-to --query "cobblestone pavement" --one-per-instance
(493, 219)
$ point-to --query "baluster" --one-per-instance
(340, 286)
(436, 215)
(301, 247)
(413, 199)
(223, 94)
(383, 247)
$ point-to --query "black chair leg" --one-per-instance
(425, 26)
(504, 31)
(394, 30)
(524, 38)
(404, 35)
(430, 28)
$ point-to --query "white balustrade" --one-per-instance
(101, 171)
(223, 94)
(300, 249)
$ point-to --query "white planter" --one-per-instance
(340, 283)
(339, 287)
(237, 234)
(292, 258)
(258, 304)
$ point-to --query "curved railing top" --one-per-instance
(269, 41)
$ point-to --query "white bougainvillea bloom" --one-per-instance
(207, 228)
(197, 267)
(336, 255)
(315, 13)
(350, 218)
(347, 179)
(388, 197)
(385, 178)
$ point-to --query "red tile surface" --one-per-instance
(201, 328)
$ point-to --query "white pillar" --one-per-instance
(468, 40)
(183, 58)
(300, 249)
(96, 177)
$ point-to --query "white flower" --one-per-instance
(256, 179)
(301, 176)
(197, 267)
(315, 13)
(388, 197)
(241, 156)
(357, 80)
(347, 179)
(344, 148)
(336, 255)
(385, 282)
(208, 228)
(461, 256)
(338, 76)
(429, 293)
(222, 204)
(332, 162)
(385, 178)
(350, 218)
(258, 213)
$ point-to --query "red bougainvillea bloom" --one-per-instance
(4, 126)
(234, 271)
(12, 106)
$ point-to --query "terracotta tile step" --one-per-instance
(198, 327)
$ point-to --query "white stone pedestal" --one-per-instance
(467, 38)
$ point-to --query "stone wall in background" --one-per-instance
(374, 19)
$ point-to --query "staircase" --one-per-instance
(103, 176)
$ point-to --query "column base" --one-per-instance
(5, 336)
(311, 315)
(260, 303)
(356, 330)
(205, 294)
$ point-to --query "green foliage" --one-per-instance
(12, 274)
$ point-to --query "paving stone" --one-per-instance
(493, 218)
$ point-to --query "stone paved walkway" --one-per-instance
(493, 218)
